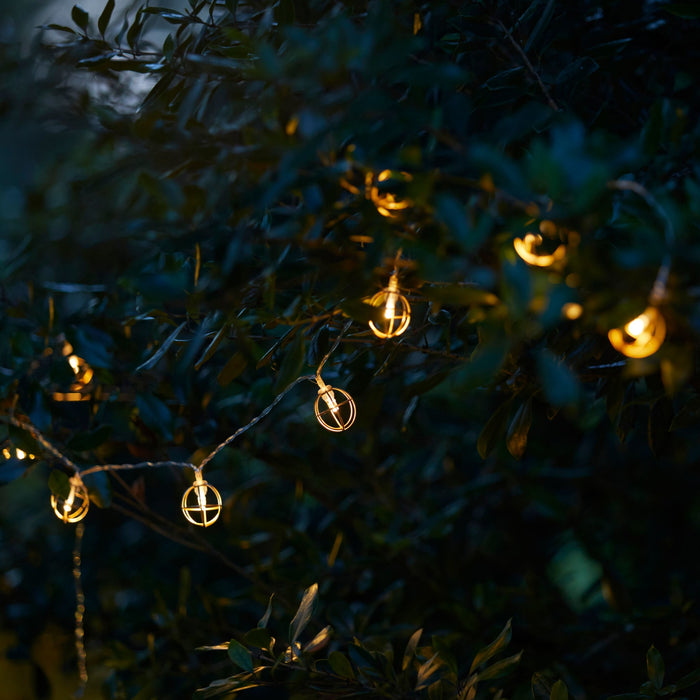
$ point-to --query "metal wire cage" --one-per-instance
(642, 336)
(334, 408)
(75, 506)
(199, 509)
(395, 317)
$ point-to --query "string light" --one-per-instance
(195, 506)
(334, 413)
(387, 203)
(83, 374)
(537, 248)
(75, 507)
(640, 337)
(396, 315)
(19, 453)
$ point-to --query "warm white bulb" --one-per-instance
(195, 505)
(637, 326)
(338, 415)
(75, 506)
(21, 454)
(640, 337)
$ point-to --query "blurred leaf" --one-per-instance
(410, 652)
(84, 442)
(292, 363)
(341, 665)
(560, 385)
(232, 369)
(284, 12)
(99, 488)
(494, 430)
(516, 437)
(559, 691)
(59, 484)
(655, 667)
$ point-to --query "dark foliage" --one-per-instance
(191, 203)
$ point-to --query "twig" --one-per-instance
(658, 290)
(529, 65)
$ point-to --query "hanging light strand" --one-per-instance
(79, 611)
(395, 309)
(643, 335)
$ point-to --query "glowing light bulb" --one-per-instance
(642, 336)
(195, 506)
(334, 414)
(21, 454)
(6, 453)
(397, 311)
(537, 251)
(387, 203)
(75, 506)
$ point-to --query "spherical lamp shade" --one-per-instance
(532, 250)
(334, 408)
(201, 503)
(388, 203)
(75, 506)
(395, 311)
(642, 336)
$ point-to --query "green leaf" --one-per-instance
(410, 652)
(168, 46)
(452, 214)
(655, 667)
(59, 483)
(689, 679)
(341, 665)
(500, 668)
(427, 670)
(285, 12)
(80, 17)
(302, 616)
(84, 442)
(292, 363)
(258, 637)
(319, 641)
(516, 437)
(153, 360)
(559, 691)
(232, 369)
(106, 15)
(560, 385)
(494, 430)
(99, 489)
(544, 20)
(155, 414)
(262, 622)
(134, 31)
(240, 655)
(490, 650)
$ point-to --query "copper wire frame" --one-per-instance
(195, 506)
(75, 507)
(332, 414)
